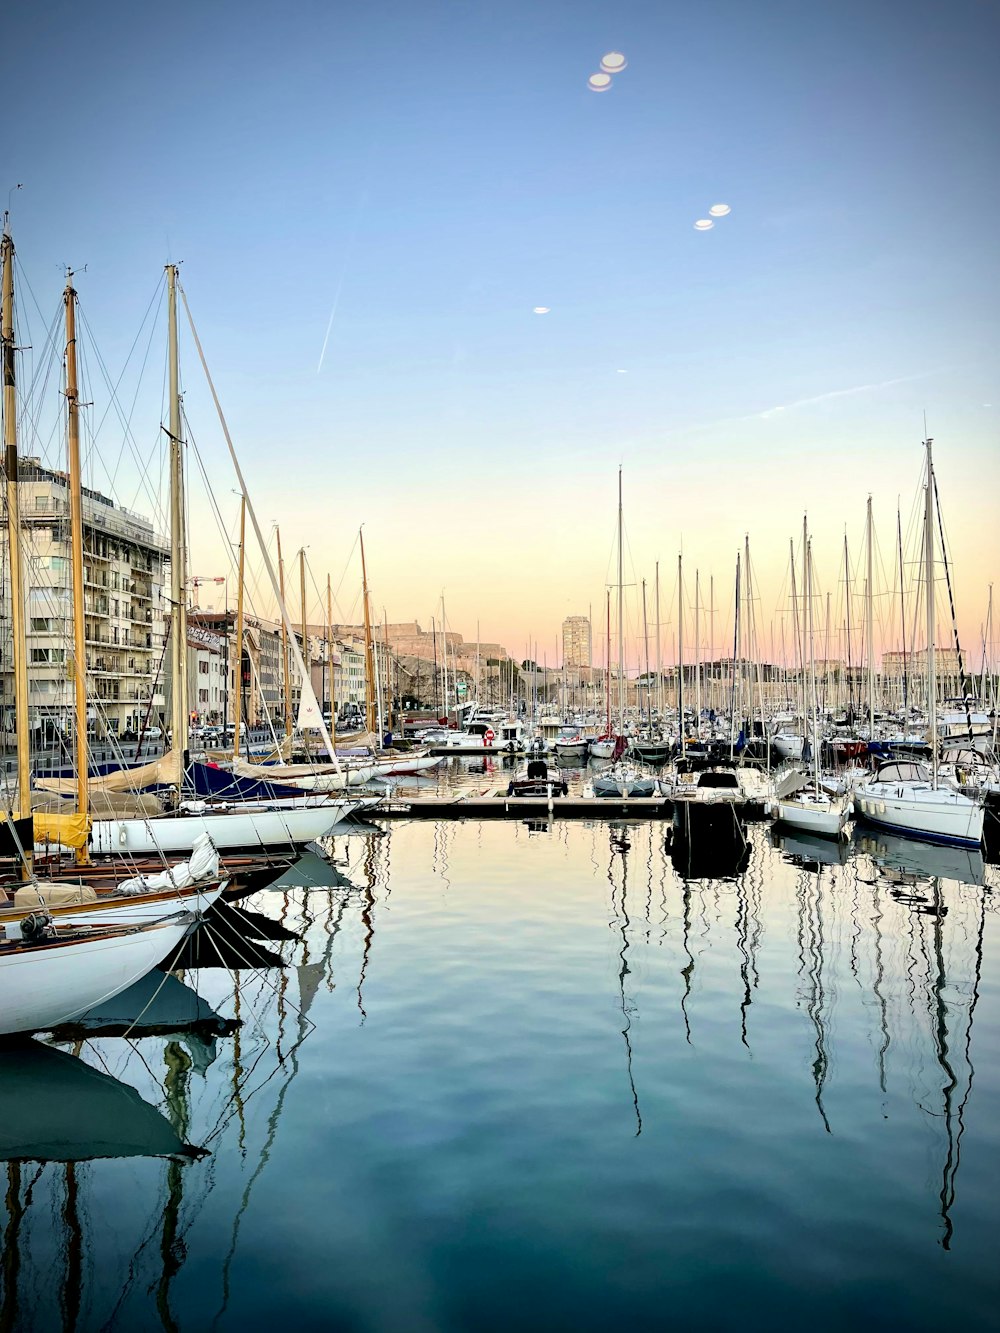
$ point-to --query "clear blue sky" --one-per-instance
(434, 171)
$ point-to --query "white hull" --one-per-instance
(603, 749)
(51, 984)
(825, 818)
(256, 828)
(937, 814)
(403, 765)
(575, 750)
(134, 911)
(786, 745)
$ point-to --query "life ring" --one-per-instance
(489, 735)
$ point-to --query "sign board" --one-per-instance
(461, 687)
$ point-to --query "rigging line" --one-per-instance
(128, 438)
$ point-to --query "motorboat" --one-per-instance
(813, 810)
(538, 781)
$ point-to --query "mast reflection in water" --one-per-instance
(474, 1077)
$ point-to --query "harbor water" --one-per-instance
(533, 1077)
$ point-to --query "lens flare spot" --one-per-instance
(704, 224)
(613, 62)
(599, 83)
(719, 210)
(541, 310)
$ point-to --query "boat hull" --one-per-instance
(824, 821)
(228, 831)
(53, 983)
(929, 814)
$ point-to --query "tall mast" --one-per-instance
(931, 626)
(659, 654)
(302, 605)
(847, 605)
(870, 624)
(812, 663)
(178, 537)
(902, 607)
(697, 646)
(680, 649)
(800, 664)
(238, 682)
(607, 664)
(76, 541)
(645, 638)
(329, 656)
(711, 644)
(286, 665)
(621, 620)
(17, 626)
(736, 658)
(369, 654)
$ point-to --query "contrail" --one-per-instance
(349, 251)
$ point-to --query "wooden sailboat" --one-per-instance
(276, 821)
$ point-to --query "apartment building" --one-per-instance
(125, 570)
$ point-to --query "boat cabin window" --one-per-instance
(902, 770)
(723, 779)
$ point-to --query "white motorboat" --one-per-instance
(53, 978)
(570, 744)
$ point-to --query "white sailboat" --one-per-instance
(812, 809)
(904, 795)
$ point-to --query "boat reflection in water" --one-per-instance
(807, 850)
(56, 1108)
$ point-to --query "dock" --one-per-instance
(527, 807)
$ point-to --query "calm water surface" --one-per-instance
(538, 1079)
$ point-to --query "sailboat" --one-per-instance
(288, 819)
(48, 977)
(812, 809)
(904, 795)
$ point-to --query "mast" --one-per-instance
(697, 647)
(870, 624)
(369, 653)
(17, 621)
(680, 649)
(302, 605)
(902, 607)
(329, 657)
(847, 600)
(711, 645)
(621, 620)
(659, 654)
(607, 664)
(286, 665)
(178, 538)
(238, 719)
(736, 657)
(76, 540)
(812, 662)
(931, 626)
(645, 637)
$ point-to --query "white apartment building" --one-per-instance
(125, 569)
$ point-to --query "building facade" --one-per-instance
(125, 571)
(576, 643)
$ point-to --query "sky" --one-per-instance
(369, 203)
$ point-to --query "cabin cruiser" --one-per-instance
(536, 780)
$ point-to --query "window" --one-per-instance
(41, 625)
(203, 696)
(40, 655)
(202, 668)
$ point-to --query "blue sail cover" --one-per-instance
(205, 780)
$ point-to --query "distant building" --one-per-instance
(576, 641)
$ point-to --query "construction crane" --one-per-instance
(197, 580)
